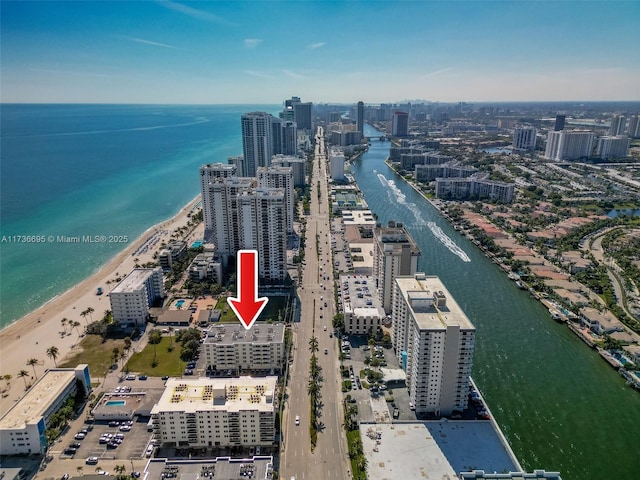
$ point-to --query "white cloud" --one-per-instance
(253, 73)
(437, 72)
(252, 42)
(295, 75)
(149, 42)
(196, 13)
(313, 46)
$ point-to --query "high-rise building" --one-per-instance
(203, 412)
(633, 128)
(297, 164)
(559, 123)
(612, 147)
(277, 135)
(400, 124)
(208, 173)
(336, 165)
(302, 115)
(475, 187)
(565, 145)
(617, 125)
(131, 298)
(257, 141)
(524, 138)
(360, 117)
(395, 254)
(279, 177)
(242, 216)
(290, 138)
(434, 342)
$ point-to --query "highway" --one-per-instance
(329, 459)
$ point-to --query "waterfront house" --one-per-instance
(600, 322)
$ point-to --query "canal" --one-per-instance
(561, 407)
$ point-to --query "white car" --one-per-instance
(297, 419)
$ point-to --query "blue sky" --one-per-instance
(263, 52)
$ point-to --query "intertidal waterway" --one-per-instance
(560, 406)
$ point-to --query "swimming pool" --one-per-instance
(179, 303)
(115, 403)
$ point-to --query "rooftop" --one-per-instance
(234, 333)
(134, 281)
(216, 468)
(437, 450)
(222, 394)
(359, 295)
(32, 406)
(430, 303)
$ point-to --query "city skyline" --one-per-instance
(339, 52)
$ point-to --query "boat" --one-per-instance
(556, 315)
(521, 285)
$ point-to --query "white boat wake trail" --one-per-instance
(395, 195)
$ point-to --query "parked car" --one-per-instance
(91, 461)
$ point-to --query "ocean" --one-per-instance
(95, 170)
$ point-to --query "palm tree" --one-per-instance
(171, 337)
(115, 354)
(155, 337)
(90, 310)
(32, 362)
(63, 322)
(84, 315)
(75, 324)
(7, 378)
(53, 352)
(313, 344)
(23, 374)
(119, 469)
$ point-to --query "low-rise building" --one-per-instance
(174, 251)
(260, 350)
(216, 412)
(600, 322)
(22, 428)
(207, 266)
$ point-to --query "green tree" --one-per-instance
(32, 362)
(155, 337)
(89, 311)
(23, 374)
(313, 344)
(53, 352)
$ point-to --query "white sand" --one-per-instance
(33, 334)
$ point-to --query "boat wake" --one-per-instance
(448, 242)
(395, 195)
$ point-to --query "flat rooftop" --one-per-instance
(232, 334)
(32, 406)
(358, 217)
(436, 450)
(360, 296)
(221, 394)
(419, 292)
(216, 468)
(134, 280)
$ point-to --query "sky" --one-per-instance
(215, 52)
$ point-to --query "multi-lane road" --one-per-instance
(329, 458)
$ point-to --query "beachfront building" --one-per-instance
(132, 297)
(23, 427)
(298, 167)
(173, 252)
(207, 266)
(395, 254)
(257, 140)
(524, 138)
(612, 147)
(216, 412)
(474, 187)
(363, 312)
(566, 145)
(336, 165)
(280, 177)
(259, 351)
(434, 341)
(208, 174)
(243, 216)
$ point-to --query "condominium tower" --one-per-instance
(257, 141)
(434, 342)
(524, 138)
(360, 117)
(279, 177)
(566, 145)
(400, 124)
(395, 254)
(131, 298)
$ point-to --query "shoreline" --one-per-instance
(576, 330)
(31, 335)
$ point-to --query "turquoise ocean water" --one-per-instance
(74, 170)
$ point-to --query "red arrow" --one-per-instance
(247, 306)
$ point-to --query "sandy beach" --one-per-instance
(32, 335)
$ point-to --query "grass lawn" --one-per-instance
(93, 352)
(353, 436)
(270, 312)
(169, 363)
